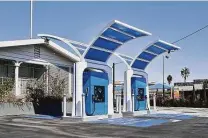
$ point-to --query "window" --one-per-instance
(36, 51)
(140, 95)
(99, 94)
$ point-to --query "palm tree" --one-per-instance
(169, 79)
(185, 73)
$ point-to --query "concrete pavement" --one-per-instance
(19, 127)
(173, 122)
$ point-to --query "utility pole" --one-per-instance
(163, 77)
(31, 19)
(113, 81)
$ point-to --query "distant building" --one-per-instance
(186, 89)
(119, 86)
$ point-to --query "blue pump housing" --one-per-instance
(138, 85)
(95, 87)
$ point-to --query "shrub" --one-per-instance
(57, 87)
(180, 103)
(6, 95)
(5, 89)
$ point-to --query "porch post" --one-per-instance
(47, 73)
(17, 90)
(64, 105)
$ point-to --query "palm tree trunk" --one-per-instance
(205, 95)
(173, 93)
(194, 94)
(183, 91)
(183, 95)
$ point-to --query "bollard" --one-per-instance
(83, 105)
(119, 109)
(117, 102)
(154, 101)
(132, 100)
(64, 105)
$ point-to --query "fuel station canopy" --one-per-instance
(111, 38)
(150, 52)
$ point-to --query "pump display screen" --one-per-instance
(99, 94)
(140, 94)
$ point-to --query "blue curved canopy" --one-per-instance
(150, 52)
(111, 38)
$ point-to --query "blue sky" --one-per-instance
(82, 21)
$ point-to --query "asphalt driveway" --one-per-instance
(20, 127)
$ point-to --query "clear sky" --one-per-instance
(82, 21)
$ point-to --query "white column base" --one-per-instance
(110, 99)
(148, 99)
(154, 101)
(64, 105)
(132, 98)
(119, 109)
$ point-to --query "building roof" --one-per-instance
(49, 44)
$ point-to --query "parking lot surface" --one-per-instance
(26, 127)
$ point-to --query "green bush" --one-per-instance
(5, 89)
(36, 90)
(180, 103)
(6, 95)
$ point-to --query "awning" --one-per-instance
(159, 86)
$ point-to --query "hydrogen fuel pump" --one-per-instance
(96, 92)
(138, 85)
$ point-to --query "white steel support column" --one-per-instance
(110, 89)
(74, 90)
(148, 99)
(17, 89)
(127, 104)
(80, 66)
(110, 99)
(69, 82)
